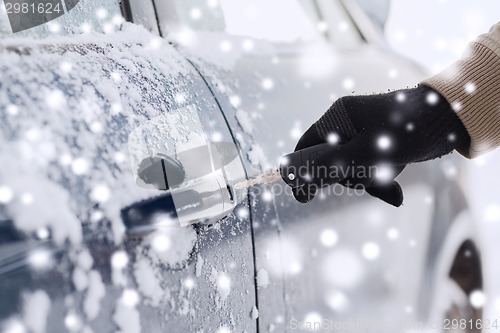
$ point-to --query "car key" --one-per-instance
(291, 168)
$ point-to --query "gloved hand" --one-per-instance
(385, 133)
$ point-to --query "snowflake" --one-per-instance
(226, 46)
(188, 283)
(116, 108)
(100, 193)
(195, 14)
(224, 329)
(399, 35)
(408, 309)
(180, 98)
(312, 321)
(470, 87)
(333, 138)
(432, 98)
(383, 142)
(322, 26)
(329, 237)
(107, 28)
(491, 213)
(412, 243)
(348, 83)
(477, 299)
(117, 20)
(452, 137)
(352, 271)
(27, 199)
(267, 84)
(400, 97)
(370, 251)
(393, 73)
(384, 173)
(267, 196)
(96, 216)
(13, 325)
(33, 134)
(216, 137)
(119, 157)
(456, 106)
(213, 3)
(393, 233)
(130, 297)
(296, 131)
(42, 233)
(235, 101)
(337, 301)
(12, 109)
(243, 213)
(155, 43)
(161, 242)
(96, 127)
(65, 159)
(66, 66)
(55, 99)
(275, 60)
(73, 322)
(343, 26)
(223, 282)
(101, 13)
(248, 45)
(119, 260)
(6, 195)
(410, 127)
(449, 169)
(40, 259)
(85, 28)
(54, 27)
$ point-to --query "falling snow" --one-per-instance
(329, 237)
(6, 195)
(348, 83)
(432, 98)
(470, 88)
(383, 142)
(370, 250)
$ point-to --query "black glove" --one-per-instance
(382, 132)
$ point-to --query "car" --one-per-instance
(124, 154)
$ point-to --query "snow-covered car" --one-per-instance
(122, 145)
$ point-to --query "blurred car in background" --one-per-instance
(96, 131)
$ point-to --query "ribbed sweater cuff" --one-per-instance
(471, 86)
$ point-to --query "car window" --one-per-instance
(56, 17)
(256, 19)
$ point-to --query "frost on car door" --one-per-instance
(67, 260)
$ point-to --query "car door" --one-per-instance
(272, 81)
(87, 240)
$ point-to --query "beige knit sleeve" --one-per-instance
(472, 86)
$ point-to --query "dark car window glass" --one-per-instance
(86, 16)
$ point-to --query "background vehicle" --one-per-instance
(69, 105)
